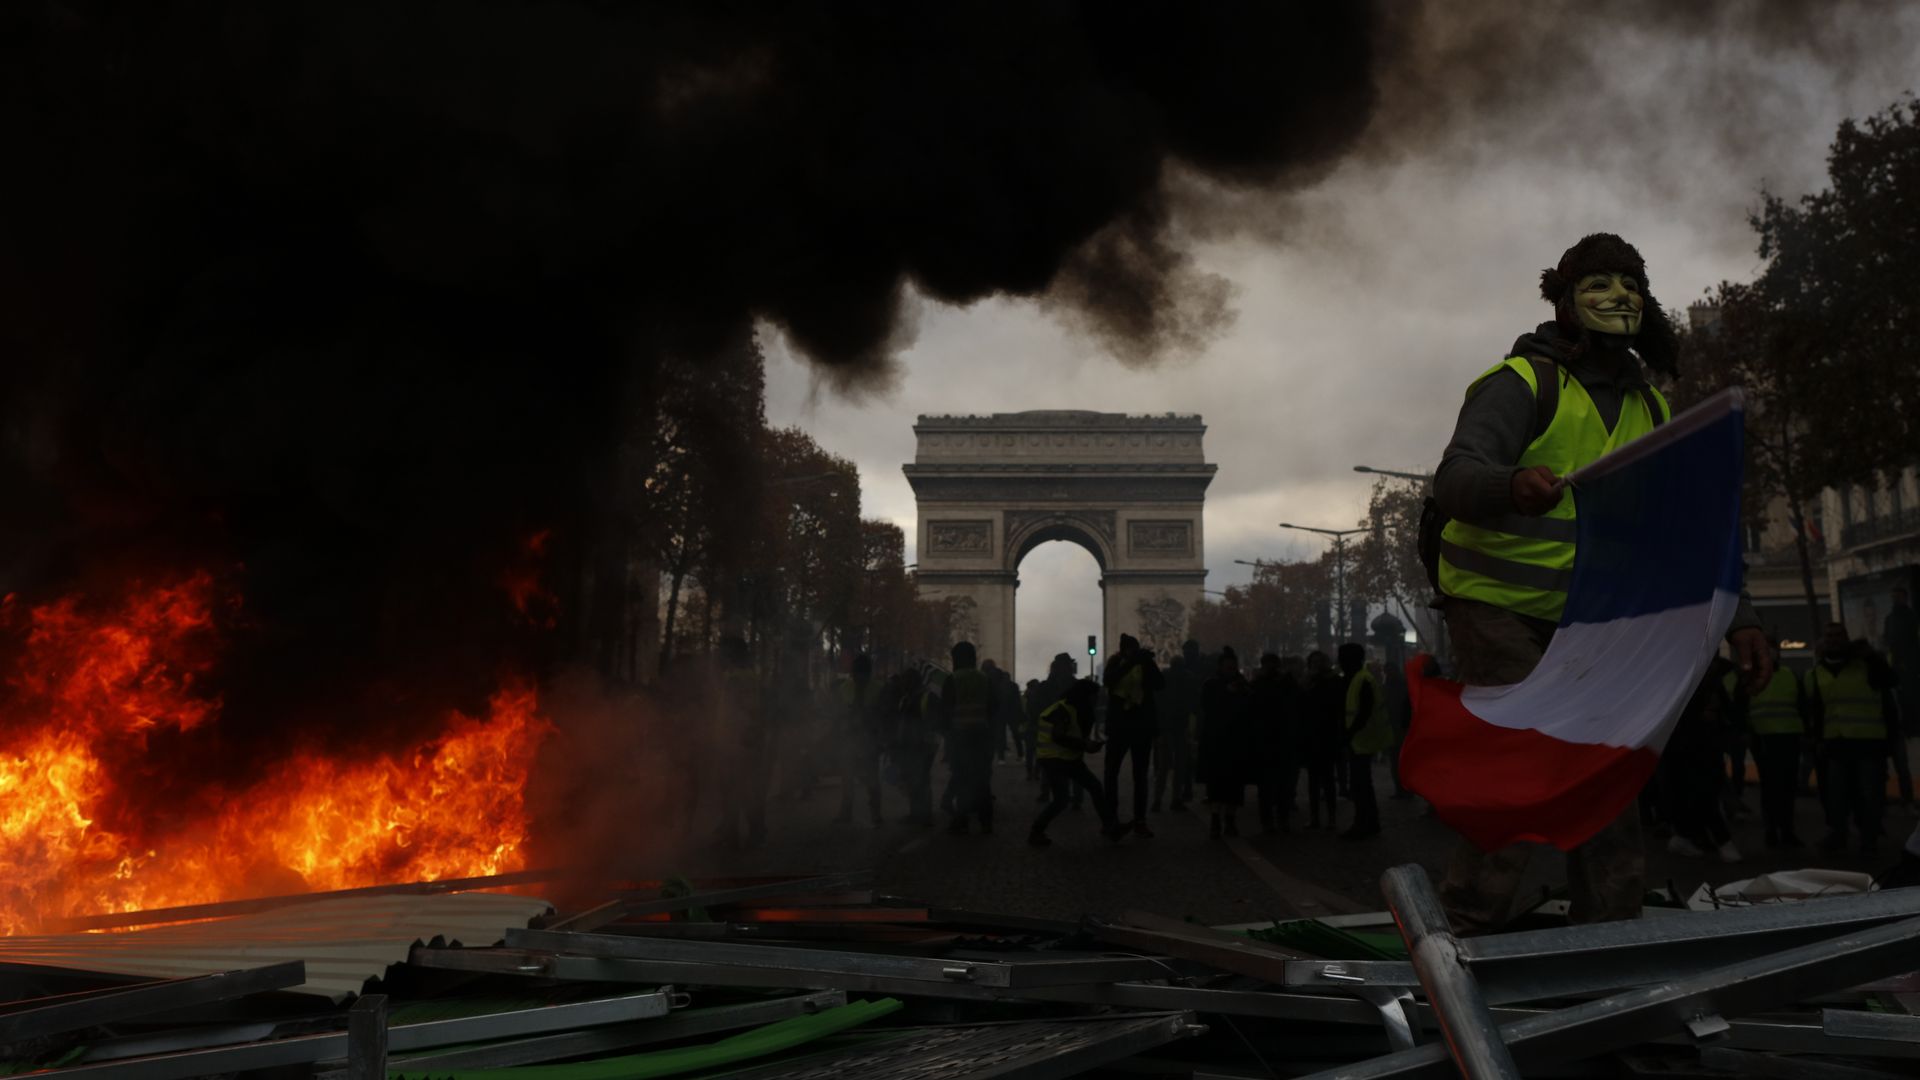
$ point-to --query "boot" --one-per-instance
(1036, 838)
(1213, 827)
(1233, 825)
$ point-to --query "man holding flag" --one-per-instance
(1558, 755)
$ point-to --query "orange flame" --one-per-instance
(91, 688)
(525, 588)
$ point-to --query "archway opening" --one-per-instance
(1058, 604)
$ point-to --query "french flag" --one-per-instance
(1656, 580)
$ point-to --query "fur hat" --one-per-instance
(1606, 253)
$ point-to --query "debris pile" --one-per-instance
(823, 978)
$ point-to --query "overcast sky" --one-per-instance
(1366, 302)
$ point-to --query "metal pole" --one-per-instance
(1699, 999)
(1468, 1028)
(1340, 573)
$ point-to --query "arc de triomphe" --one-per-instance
(1129, 489)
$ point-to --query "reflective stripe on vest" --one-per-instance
(1376, 735)
(1776, 710)
(1852, 705)
(1524, 563)
(1043, 744)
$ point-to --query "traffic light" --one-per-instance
(1093, 645)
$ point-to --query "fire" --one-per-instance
(90, 689)
(531, 598)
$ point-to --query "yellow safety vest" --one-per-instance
(1852, 705)
(1057, 713)
(1524, 563)
(1376, 735)
(1776, 709)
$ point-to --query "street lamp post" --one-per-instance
(1424, 478)
(1339, 563)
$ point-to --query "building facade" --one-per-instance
(1873, 548)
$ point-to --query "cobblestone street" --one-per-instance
(1179, 871)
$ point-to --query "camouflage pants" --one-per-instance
(1606, 875)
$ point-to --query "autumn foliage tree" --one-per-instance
(1283, 609)
(1824, 341)
(1769, 349)
(695, 469)
(890, 621)
(1841, 298)
(1384, 566)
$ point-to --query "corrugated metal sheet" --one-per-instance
(345, 941)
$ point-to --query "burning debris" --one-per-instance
(91, 825)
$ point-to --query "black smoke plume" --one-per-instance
(348, 301)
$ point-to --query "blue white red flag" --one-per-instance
(1656, 580)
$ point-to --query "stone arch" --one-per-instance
(1024, 536)
(1129, 489)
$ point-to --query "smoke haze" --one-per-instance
(350, 301)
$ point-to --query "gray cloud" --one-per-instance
(1366, 302)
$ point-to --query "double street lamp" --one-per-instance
(1339, 563)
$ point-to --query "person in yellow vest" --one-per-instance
(966, 719)
(1567, 393)
(1062, 736)
(1847, 697)
(1775, 719)
(859, 701)
(1369, 732)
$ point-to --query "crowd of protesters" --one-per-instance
(1290, 744)
(918, 744)
(1837, 730)
(1198, 730)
